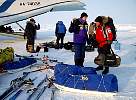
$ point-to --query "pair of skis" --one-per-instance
(29, 82)
(15, 85)
(49, 84)
(34, 91)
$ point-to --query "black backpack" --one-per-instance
(74, 26)
(109, 21)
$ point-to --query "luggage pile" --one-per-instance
(70, 46)
(67, 46)
(51, 44)
(84, 78)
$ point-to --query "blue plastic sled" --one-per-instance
(19, 64)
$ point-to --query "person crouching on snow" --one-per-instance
(30, 32)
(80, 29)
(60, 33)
(104, 38)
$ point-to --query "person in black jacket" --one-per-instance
(80, 38)
(30, 32)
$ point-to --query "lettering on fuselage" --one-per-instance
(29, 3)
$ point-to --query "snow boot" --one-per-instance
(99, 68)
(106, 70)
(38, 49)
(79, 62)
(46, 49)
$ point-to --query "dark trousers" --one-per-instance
(60, 36)
(79, 54)
(30, 41)
(105, 50)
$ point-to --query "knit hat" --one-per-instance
(99, 19)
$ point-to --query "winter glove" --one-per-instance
(109, 42)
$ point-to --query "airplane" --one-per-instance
(12, 11)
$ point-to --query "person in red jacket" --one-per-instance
(104, 38)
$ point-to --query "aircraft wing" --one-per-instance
(16, 10)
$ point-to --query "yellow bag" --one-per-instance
(6, 54)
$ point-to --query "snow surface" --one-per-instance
(126, 72)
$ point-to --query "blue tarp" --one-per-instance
(84, 78)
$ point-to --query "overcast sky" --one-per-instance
(122, 11)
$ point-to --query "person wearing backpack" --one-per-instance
(92, 35)
(60, 33)
(106, 20)
(104, 37)
(80, 37)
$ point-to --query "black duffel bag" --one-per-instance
(68, 45)
(112, 60)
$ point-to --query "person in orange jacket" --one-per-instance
(104, 38)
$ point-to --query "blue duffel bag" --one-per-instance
(93, 82)
(102, 83)
(84, 78)
(63, 71)
(73, 70)
(61, 78)
(76, 82)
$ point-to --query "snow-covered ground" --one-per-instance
(126, 72)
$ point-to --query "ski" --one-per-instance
(41, 92)
(29, 82)
(15, 85)
(51, 80)
(46, 67)
(35, 89)
(49, 85)
(53, 94)
(17, 55)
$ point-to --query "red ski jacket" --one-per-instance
(102, 37)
